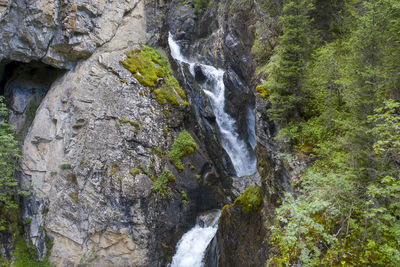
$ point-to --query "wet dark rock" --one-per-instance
(182, 21)
(238, 100)
(199, 75)
(208, 129)
(239, 37)
(212, 256)
(241, 238)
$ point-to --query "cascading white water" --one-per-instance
(193, 244)
(243, 162)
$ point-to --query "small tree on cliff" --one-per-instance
(8, 184)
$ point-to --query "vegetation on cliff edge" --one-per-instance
(183, 146)
(334, 86)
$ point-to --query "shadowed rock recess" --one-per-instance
(96, 139)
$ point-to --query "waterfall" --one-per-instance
(193, 244)
(243, 161)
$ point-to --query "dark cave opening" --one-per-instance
(34, 74)
(24, 85)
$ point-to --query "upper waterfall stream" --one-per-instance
(243, 161)
(192, 246)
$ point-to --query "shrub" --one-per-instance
(200, 6)
(26, 256)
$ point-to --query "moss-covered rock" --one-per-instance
(250, 200)
(152, 70)
(184, 145)
(243, 223)
(161, 184)
(134, 172)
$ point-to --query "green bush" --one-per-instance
(26, 256)
(184, 145)
(9, 152)
(200, 5)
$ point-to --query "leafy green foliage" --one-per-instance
(183, 146)
(200, 5)
(346, 207)
(285, 68)
(26, 256)
(150, 67)
(161, 184)
(9, 152)
(250, 200)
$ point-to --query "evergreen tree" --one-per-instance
(346, 208)
(9, 151)
(286, 68)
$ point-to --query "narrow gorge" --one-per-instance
(199, 133)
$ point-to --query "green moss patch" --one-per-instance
(160, 186)
(65, 166)
(134, 172)
(159, 151)
(250, 200)
(152, 70)
(133, 123)
(184, 145)
(146, 172)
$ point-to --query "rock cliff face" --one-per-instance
(59, 33)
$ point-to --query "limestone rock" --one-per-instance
(95, 125)
(59, 33)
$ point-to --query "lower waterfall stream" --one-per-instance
(192, 246)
